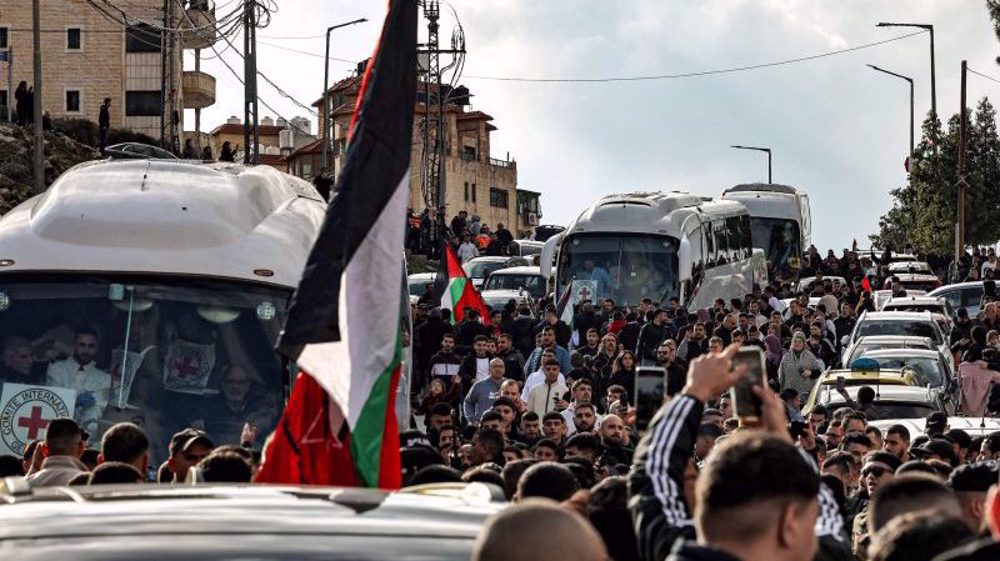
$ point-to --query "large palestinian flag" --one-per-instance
(456, 289)
(343, 325)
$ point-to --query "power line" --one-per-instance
(276, 46)
(981, 75)
(697, 73)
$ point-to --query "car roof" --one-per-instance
(885, 392)
(903, 339)
(975, 426)
(902, 352)
(918, 300)
(519, 270)
(957, 286)
(855, 377)
(897, 316)
(420, 276)
(446, 510)
(491, 259)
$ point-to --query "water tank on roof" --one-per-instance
(271, 150)
(302, 124)
(286, 139)
(281, 122)
(362, 66)
(267, 121)
(233, 120)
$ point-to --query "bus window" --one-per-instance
(706, 229)
(721, 242)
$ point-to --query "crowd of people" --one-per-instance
(469, 236)
(543, 409)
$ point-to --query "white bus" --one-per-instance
(657, 245)
(780, 220)
(187, 266)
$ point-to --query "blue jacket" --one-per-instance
(533, 362)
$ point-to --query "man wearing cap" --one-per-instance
(62, 449)
(936, 425)
(970, 483)
(936, 449)
(878, 468)
(187, 448)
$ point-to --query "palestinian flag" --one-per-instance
(343, 328)
(456, 290)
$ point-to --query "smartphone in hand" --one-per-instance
(650, 390)
(746, 404)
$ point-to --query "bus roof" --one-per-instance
(762, 188)
(167, 217)
(649, 213)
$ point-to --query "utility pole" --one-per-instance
(251, 140)
(930, 28)
(10, 84)
(758, 149)
(963, 139)
(163, 74)
(36, 30)
(327, 125)
(910, 80)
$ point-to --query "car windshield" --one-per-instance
(778, 237)
(885, 409)
(626, 268)
(863, 347)
(924, 286)
(927, 369)
(199, 353)
(419, 287)
(535, 284)
(936, 308)
(480, 269)
(902, 328)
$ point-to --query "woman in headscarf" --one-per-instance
(772, 355)
(799, 368)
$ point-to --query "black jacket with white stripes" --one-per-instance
(660, 513)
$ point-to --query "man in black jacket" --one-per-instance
(104, 123)
(650, 337)
(757, 498)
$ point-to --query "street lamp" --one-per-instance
(326, 86)
(759, 149)
(910, 80)
(929, 28)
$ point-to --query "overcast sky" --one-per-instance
(839, 130)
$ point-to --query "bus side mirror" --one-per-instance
(548, 255)
(684, 259)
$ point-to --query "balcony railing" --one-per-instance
(198, 88)
(503, 163)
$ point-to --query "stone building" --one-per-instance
(89, 54)
(475, 181)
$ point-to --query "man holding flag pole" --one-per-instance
(343, 328)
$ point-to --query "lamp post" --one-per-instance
(910, 80)
(326, 86)
(758, 149)
(929, 28)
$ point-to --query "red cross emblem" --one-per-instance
(584, 293)
(185, 366)
(33, 423)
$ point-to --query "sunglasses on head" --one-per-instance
(877, 471)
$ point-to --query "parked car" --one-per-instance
(891, 401)
(919, 304)
(918, 281)
(870, 343)
(929, 366)
(855, 377)
(910, 267)
(914, 324)
(968, 295)
(974, 426)
(417, 284)
(229, 522)
(479, 268)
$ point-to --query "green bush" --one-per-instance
(80, 130)
(116, 136)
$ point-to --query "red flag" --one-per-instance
(866, 285)
(303, 448)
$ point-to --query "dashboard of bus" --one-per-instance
(163, 352)
(624, 267)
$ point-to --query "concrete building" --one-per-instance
(89, 54)
(475, 181)
(277, 138)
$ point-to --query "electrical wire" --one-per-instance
(981, 75)
(317, 55)
(697, 73)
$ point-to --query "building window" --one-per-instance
(142, 38)
(307, 169)
(466, 191)
(74, 39)
(468, 153)
(142, 104)
(499, 198)
(72, 101)
(473, 187)
(3, 102)
(4, 38)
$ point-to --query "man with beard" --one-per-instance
(80, 373)
(615, 440)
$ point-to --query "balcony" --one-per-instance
(198, 89)
(198, 29)
(503, 163)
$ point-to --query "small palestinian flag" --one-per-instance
(456, 290)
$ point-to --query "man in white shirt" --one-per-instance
(467, 250)
(80, 373)
(538, 376)
(543, 397)
(583, 392)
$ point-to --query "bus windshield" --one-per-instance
(199, 354)
(626, 268)
(778, 237)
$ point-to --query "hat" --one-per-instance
(187, 438)
(884, 458)
(413, 458)
(976, 478)
(799, 336)
(937, 419)
(413, 438)
(936, 447)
